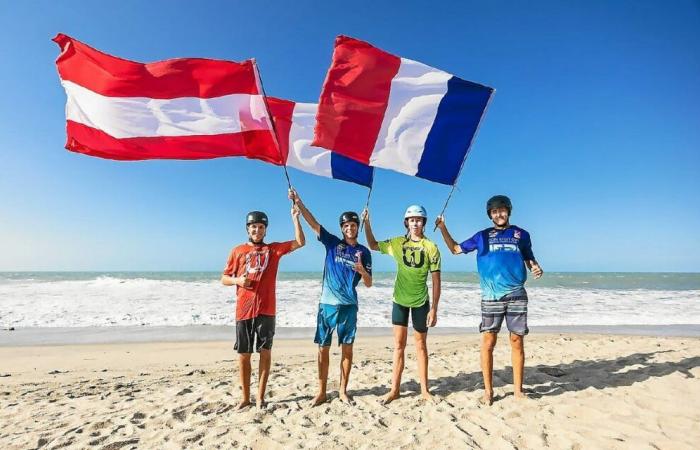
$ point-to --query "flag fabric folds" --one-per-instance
(398, 114)
(294, 123)
(186, 108)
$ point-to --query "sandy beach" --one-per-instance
(586, 391)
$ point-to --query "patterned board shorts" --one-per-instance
(512, 307)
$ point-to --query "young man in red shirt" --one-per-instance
(252, 268)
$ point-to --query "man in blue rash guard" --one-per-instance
(503, 253)
(347, 261)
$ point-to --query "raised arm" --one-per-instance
(371, 241)
(299, 239)
(310, 219)
(451, 244)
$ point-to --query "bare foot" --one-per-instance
(319, 400)
(345, 398)
(261, 403)
(487, 399)
(390, 397)
(428, 397)
(243, 404)
(520, 396)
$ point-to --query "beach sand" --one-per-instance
(587, 391)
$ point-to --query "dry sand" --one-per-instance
(586, 392)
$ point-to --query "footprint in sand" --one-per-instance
(179, 415)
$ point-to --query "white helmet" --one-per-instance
(416, 211)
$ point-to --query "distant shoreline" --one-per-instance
(203, 333)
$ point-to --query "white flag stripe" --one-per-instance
(416, 92)
(129, 117)
(302, 155)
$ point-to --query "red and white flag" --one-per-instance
(186, 108)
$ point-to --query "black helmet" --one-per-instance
(498, 201)
(349, 216)
(256, 217)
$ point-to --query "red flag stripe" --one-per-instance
(184, 77)
(257, 144)
(343, 90)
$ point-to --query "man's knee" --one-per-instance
(400, 344)
(421, 341)
(516, 341)
(488, 341)
(347, 350)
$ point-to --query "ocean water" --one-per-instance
(150, 299)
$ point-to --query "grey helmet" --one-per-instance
(349, 216)
(498, 201)
(256, 217)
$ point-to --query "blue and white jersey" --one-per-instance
(339, 276)
(500, 259)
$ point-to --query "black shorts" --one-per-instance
(256, 332)
(419, 316)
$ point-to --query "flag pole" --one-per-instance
(272, 122)
(454, 185)
(369, 193)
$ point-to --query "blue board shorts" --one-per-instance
(330, 317)
(512, 307)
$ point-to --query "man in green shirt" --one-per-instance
(415, 257)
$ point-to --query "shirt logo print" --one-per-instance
(413, 257)
(256, 261)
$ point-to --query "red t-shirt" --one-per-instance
(260, 262)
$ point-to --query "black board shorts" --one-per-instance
(419, 316)
(257, 333)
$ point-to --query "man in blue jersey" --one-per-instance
(504, 251)
(347, 261)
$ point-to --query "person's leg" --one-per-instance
(265, 331)
(244, 369)
(488, 342)
(492, 314)
(517, 354)
(400, 334)
(323, 358)
(324, 335)
(347, 327)
(345, 366)
(419, 317)
(264, 373)
(422, 356)
(516, 320)
(244, 347)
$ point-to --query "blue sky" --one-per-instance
(594, 132)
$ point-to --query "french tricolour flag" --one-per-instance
(188, 108)
(398, 114)
(294, 123)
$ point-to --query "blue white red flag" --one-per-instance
(395, 113)
(294, 123)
